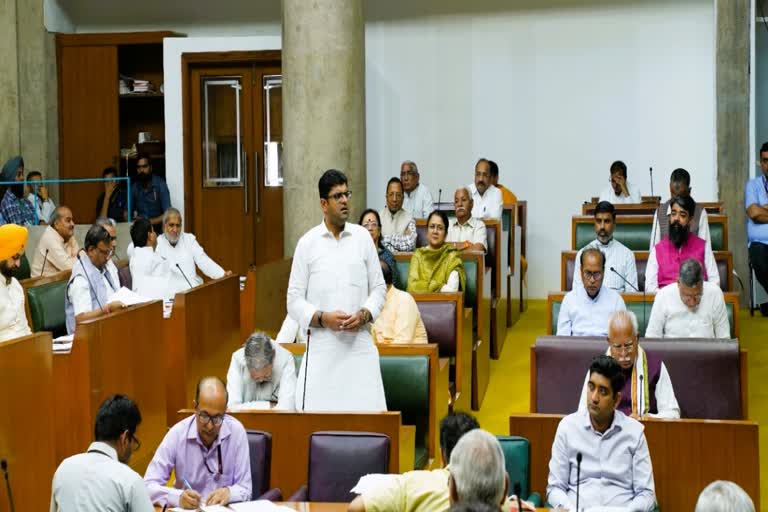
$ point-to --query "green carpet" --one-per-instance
(509, 388)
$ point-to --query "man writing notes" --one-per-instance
(336, 288)
(207, 452)
(647, 387)
(13, 318)
(620, 191)
(616, 468)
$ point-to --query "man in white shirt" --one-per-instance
(111, 226)
(689, 308)
(398, 229)
(91, 284)
(13, 317)
(57, 249)
(336, 286)
(40, 198)
(149, 270)
(417, 200)
(184, 253)
(679, 185)
(620, 191)
(261, 371)
(487, 200)
(585, 310)
(647, 387)
(619, 260)
(100, 479)
(465, 231)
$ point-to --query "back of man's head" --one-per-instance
(477, 469)
(140, 232)
(452, 427)
(117, 414)
(473, 506)
(724, 496)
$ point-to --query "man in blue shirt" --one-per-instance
(756, 201)
(606, 447)
(149, 194)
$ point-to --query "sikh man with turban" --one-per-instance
(13, 319)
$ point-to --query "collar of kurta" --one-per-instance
(583, 292)
(328, 232)
(470, 222)
(616, 422)
(103, 448)
(194, 435)
(398, 213)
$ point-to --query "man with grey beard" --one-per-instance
(184, 255)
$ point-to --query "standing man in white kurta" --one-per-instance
(336, 288)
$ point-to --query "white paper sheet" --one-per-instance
(371, 482)
(127, 297)
(250, 506)
(256, 405)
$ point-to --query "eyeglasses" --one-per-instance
(395, 195)
(204, 417)
(592, 276)
(436, 227)
(338, 195)
(371, 224)
(627, 347)
(482, 175)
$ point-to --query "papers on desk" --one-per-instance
(250, 506)
(127, 297)
(372, 482)
(63, 343)
(256, 405)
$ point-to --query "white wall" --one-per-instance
(552, 93)
(173, 48)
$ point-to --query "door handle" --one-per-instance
(245, 180)
(256, 181)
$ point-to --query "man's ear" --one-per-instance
(194, 404)
(452, 494)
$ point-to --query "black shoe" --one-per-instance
(764, 309)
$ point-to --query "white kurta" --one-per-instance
(150, 274)
(13, 318)
(329, 275)
(280, 388)
(188, 253)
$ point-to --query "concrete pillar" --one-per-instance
(323, 106)
(9, 81)
(732, 121)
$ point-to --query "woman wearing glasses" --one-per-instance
(437, 267)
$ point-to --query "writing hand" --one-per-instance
(218, 497)
(189, 499)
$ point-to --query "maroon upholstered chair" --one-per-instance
(337, 460)
(260, 453)
(124, 274)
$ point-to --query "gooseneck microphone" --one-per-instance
(306, 367)
(185, 275)
(640, 402)
(4, 466)
(45, 259)
(90, 285)
(439, 196)
(650, 171)
(633, 287)
(578, 478)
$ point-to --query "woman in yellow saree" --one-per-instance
(438, 266)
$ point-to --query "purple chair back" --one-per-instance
(337, 460)
(124, 274)
(705, 373)
(490, 254)
(260, 452)
(439, 319)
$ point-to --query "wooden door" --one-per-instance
(236, 213)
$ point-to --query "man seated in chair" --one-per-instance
(477, 472)
(13, 317)
(666, 256)
(149, 270)
(111, 226)
(585, 310)
(91, 284)
(261, 371)
(208, 454)
(464, 231)
(679, 185)
(647, 387)
(398, 229)
(689, 308)
(57, 249)
(609, 447)
(400, 319)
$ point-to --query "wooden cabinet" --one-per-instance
(95, 120)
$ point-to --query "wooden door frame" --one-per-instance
(189, 61)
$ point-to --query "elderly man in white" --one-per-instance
(184, 253)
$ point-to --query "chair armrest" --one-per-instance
(272, 495)
(301, 495)
(535, 499)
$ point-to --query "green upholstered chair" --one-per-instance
(24, 271)
(406, 388)
(517, 459)
(470, 269)
(637, 236)
(46, 308)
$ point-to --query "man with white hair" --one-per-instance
(724, 496)
(261, 371)
(689, 308)
(477, 471)
(417, 199)
(184, 254)
(464, 231)
(647, 387)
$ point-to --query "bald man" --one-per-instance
(464, 231)
(647, 387)
(13, 318)
(57, 249)
(208, 453)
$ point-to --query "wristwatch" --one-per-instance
(366, 315)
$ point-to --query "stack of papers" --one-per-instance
(143, 86)
(63, 343)
(127, 297)
(372, 482)
(250, 506)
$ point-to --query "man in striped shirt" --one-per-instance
(617, 256)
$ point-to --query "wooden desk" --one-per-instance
(291, 432)
(117, 353)
(263, 300)
(687, 455)
(26, 434)
(201, 334)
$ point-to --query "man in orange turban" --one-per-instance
(13, 318)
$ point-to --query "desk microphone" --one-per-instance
(517, 493)
(641, 403)
(578, 478)
(185, 276)
(4, 466)
(650, 171)
(634, 288)
(306, 367)
(439, 196)
(90, 285)
(45, 259)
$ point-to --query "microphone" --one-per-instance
(45, 258)
(90, 285)
(4, 466)
(578, 478)
(641, 403)
(517, 493)
(185, 276)
(650, 171)
(634, 287)
(439, 196)
(306, 367)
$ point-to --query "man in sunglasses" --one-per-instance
(100, 479)
(208, 452)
